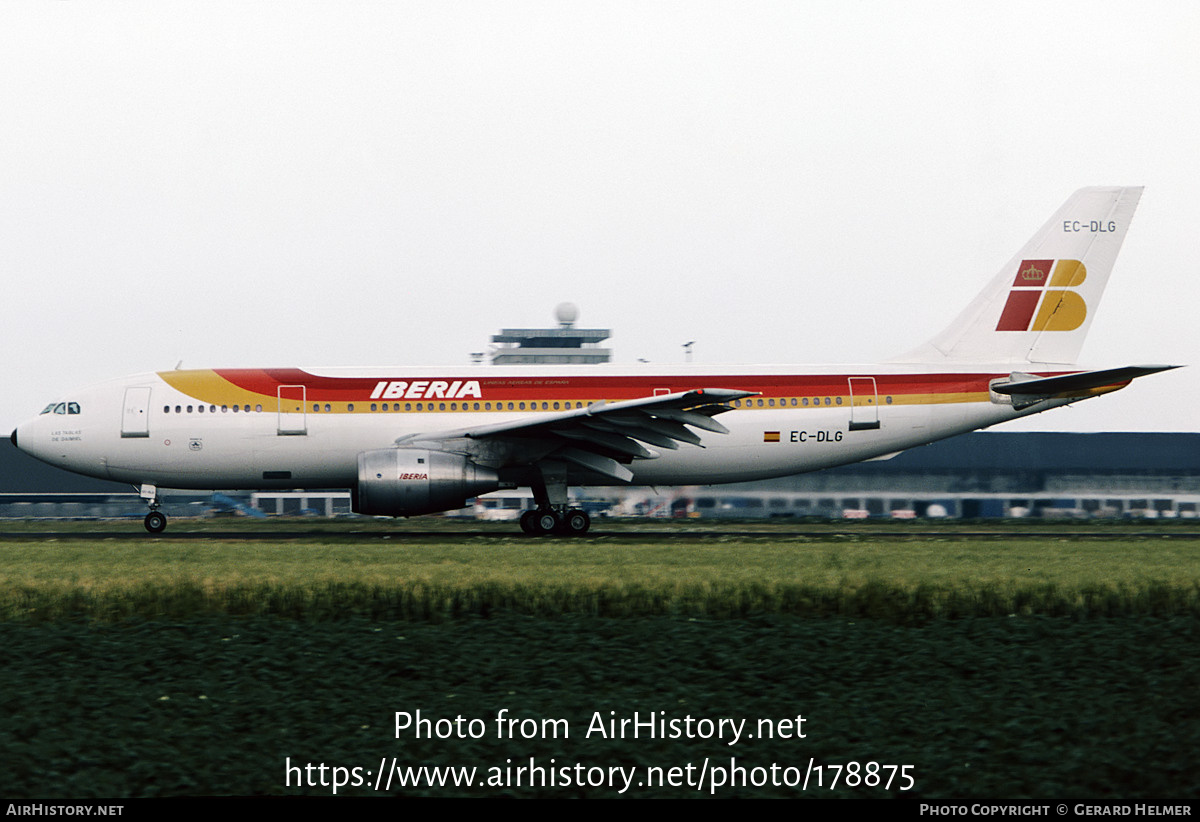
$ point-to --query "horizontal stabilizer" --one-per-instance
(1083, 384)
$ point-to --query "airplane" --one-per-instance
(411, 441)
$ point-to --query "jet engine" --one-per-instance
(403, 482)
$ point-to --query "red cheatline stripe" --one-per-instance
(211, 386)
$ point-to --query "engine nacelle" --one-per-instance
(403, 482)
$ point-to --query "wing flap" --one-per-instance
(594, 462)
(636, 432)
(693, 418)
(611, 442)
(643, 422)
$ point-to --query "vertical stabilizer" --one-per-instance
(1039, 307)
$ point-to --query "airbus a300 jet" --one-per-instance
(411, 441)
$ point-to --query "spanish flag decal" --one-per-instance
(770, 436)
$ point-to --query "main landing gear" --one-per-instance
(572, 522)
(156, 520)
(552, 515)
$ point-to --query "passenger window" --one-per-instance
(189, 409)
(256, 408)
(235, 409)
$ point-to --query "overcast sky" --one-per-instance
(356, 183)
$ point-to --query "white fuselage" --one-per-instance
(241, 429)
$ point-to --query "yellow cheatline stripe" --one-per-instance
(843, 401)
(210, 388)
(939, 399)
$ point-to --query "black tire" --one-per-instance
(156, 522)
(529, 523)
(577, 522)
(547, 522)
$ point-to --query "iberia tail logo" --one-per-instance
(1042, 299)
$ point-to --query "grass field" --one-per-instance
(1060, 665)
(451, 572)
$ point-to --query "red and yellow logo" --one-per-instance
(1035, 306)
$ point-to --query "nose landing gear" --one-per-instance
(156, 521)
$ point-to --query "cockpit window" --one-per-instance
(61, 408)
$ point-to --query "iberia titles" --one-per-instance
(426, 390)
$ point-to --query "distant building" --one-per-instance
(975, 475)
(564, 345)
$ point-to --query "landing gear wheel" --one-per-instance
(156, 522)
(573, 522)
(576, 522)
(547, 522)
(529, 523)
(540, 523)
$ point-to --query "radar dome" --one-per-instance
(566, 313)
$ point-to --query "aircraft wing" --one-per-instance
(599, 438)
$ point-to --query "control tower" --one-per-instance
(565, 344)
